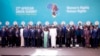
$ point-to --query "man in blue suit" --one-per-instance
(63, 32)
(26, 36)
(94, 38)
(32, 35)
(79, 33)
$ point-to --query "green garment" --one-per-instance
(45, 38)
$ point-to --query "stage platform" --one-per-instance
(49, 51)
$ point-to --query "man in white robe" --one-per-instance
(53, 34)
(22, 38)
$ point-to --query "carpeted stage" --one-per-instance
(49, 52)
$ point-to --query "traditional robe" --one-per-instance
(22, 38)
(45, 38)
(87, 37)
(53, 34)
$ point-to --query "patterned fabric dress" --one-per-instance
(87, 37)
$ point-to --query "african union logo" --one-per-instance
(53, 7)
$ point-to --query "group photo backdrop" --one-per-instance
(41, 11)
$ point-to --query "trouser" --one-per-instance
(10, 41)
(60, 41)
(13, 41)
(79, 39)
(26, 43)
(73, 41)
(3, 41)
(7, 41)
(57, 40)
(18, 41)
(83, 42)
(39, 42)
(95, 42)
(91, 41)
(49, 42)
(63, 40)
(68, 42)
(32, 42)
(99, 41)
(35, 42)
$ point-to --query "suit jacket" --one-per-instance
(17, 34)
(32, 33)
(3, 34)
(63, 31)
(79, 32)
(68, 33)
(10, 32)
(59, 32)
(98, 32)
(72, 32)
(26, 33)
(0, 32)
(39, 33)
(94, 34)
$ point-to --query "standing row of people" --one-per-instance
(50, 36)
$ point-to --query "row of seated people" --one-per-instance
(50, 36)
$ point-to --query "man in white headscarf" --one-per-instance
(22, 38)
(53, 34)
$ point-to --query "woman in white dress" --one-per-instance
(22, 38)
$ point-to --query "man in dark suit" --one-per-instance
(72, 34)
(17, 36)
(98, 36)
(10, 36)
(14, 35)
(59, 34)
(68, 36)
(3, 37)
(39, 36)
(0, 36)
(7, 31)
